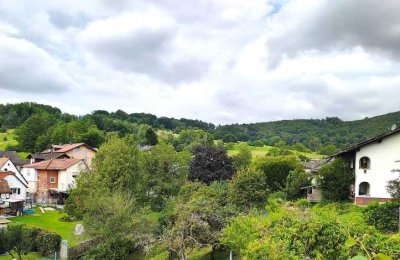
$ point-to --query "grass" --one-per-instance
(50, 221)
(7, 139)
(262, 151)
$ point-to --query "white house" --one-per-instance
(373, 162)
(31, 176)
(17, 182)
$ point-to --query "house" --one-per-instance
(55, 177)
(373, 162)
(8, 206)
(14, 157)
(16, 181)
(80, 151)
(312, 167)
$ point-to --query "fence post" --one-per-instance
(64, 250)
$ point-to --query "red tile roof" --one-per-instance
(4, 187)
(54, 164)
(69, 147)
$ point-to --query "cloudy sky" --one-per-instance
(221, 61)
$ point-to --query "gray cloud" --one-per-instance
(324, 26)
(27, 68)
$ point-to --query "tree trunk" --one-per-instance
(212, 257)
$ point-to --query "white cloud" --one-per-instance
(204, 59)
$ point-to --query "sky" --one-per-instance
(220, 61)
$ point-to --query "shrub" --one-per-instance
(248, 189)
(383, 217)
(48, 243)
(335, 181)
(68, 218)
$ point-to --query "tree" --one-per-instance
(151, 137)
(276, 170)
(335, 180)
(118, 224)
(328, 149)
(242, 160)
(198, 219)
(248, 189)
(393, 186)
(116, 165)
(164, 172)
(19, 239)
(294, 182)
(30, 130)
(210, 164)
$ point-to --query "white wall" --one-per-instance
(66, 179)
(383, 158)
(13, 182)
(31, 176)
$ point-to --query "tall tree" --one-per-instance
(210, 164)
(30, 131)
(151, 137)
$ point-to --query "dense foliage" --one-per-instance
(325, 136)
(335, 180)
(210, 164)
(20, 239)
(384, 217)
(317, 134)
(292, 232)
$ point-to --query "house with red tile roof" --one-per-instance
(55, 177)
(74, 151)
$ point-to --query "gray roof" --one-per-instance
(14, 157)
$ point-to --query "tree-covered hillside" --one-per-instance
(48, 124)
(313, 133)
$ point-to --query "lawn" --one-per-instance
(50, 221)
(262, 151)
(7, 139)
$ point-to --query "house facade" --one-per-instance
(79, 151)
(16, 181)
(373, 162)
(55, 178)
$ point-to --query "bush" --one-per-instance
(48, 243)
(248, 189)
(383, 217)
(68, 218)
(335, 181)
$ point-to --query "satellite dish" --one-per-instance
(393, 127)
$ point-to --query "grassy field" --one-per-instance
(262, 151)
(7, 139)
(50, 221)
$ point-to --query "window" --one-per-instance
(365, 163)
(363, 189)
(75, 150)
(52, 180)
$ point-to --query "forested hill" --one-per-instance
(13, 115)
(313, 133)
(48, 124)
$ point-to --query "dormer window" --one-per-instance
(365, 163)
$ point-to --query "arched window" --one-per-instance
(365, 163)
(363, 189)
